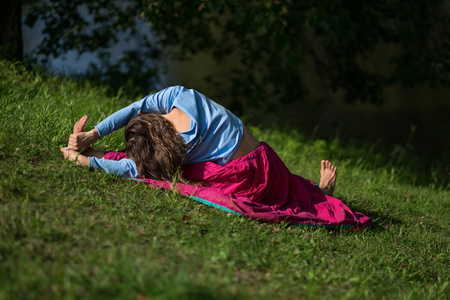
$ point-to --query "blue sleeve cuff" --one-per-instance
(100, 134)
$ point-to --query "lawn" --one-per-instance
(68, 232)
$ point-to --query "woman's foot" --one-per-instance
(79, 125)
(328, 177)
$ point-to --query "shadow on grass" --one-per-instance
(405, 163)
(380, 221)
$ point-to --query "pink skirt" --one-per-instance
(260, 186)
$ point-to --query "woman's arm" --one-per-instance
(160, 102)
(93, 153)
(124, 167)
(73, 155)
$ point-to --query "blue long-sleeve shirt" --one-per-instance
(214, 135)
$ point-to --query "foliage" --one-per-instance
(274, 39)
(358, 47)
(96, 26)
(70, 233)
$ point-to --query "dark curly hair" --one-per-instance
(155, 146)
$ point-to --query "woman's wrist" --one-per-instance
(75, 156)
(82, 160)
(93, 136)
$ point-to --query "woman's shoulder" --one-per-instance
(173, 92)
(166, 95)
(180, 88)
(175, 88)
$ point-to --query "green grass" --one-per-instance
(67, 232)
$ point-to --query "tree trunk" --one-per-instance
(11, 44)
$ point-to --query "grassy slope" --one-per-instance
(67, 232)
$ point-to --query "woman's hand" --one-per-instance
(80, 140)
(72, 155)
(83, 140)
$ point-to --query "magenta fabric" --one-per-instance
(260, 186)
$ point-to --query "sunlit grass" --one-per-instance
(67, 232)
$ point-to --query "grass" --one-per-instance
(67, 232)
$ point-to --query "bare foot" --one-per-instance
(328, 177)
(79, 125)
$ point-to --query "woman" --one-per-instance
(179, 132)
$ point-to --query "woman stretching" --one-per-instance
(179, 133)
